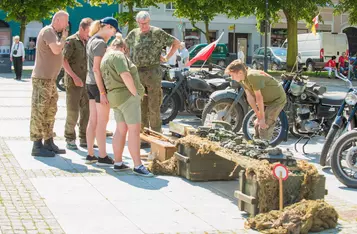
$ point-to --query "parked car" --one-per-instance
(220, 55)
(276, 58)
(320, 47)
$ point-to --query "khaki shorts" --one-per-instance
(129, 112)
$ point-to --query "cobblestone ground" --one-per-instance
(22, 210)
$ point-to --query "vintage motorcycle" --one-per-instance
(187, 92)
(309, 111)
(345, 120)
(344, 158)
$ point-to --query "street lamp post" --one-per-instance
(266, 37)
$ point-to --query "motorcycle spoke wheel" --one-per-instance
(347, 158)
(219, 111)
(276, 132)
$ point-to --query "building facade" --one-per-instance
(75, 16)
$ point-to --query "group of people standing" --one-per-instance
(124, 76)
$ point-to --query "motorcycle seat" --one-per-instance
(333, 98)
(218, 84)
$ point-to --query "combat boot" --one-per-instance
(50, 145)
(38, 150)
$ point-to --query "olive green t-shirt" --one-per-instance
(113, 64)
(146, 48)
(272, 91)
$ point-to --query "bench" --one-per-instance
(318, 67)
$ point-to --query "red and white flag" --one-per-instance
(205, 53)
(315, 24)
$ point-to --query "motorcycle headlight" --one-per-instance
(351, 99)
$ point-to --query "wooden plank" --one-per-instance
(245, 198)
(242, 181)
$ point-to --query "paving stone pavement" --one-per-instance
(22, 209)
(64, 195)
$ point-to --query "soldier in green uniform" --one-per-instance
(264, 93)
(75, 66)
(145, 44)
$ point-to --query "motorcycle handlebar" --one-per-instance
(217, 66)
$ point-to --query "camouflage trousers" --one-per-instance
(271, 115)
(77, 106)
(43, 108)
(150, 106)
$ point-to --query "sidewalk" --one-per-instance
(64, 195)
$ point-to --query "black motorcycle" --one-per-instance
(309, 111)
(60, 81)
(188, 92)
(344, 158)
(227, 105)
(345, 120)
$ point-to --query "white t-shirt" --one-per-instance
(241, 56)
(20, 50)
(173, 59)
(184, 58)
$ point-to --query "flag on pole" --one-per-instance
(206, 52)
(315, 24)
(231, 27)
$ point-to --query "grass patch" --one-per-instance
(322, 74)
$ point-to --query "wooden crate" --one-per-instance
(160, 149)
(248, 199)
(180, 129)
(206, 167)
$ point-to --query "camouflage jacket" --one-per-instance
(75, 53)
(145, 49)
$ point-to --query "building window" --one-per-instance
(170, 6)
(168, 30)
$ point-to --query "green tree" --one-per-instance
(199, 11)
(348, 6)
(25, 11)
(128, 18)
(293, 11)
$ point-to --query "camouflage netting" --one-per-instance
(260, 171)
(302, 217)
(168, 167)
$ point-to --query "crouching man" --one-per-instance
(264, 93)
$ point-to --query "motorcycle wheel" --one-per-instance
(331, 137)
(60, 81)
(280, 127)
(346, 141)
(171, 109)
(212, 108)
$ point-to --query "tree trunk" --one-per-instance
(22, 30)
(131, 23)
(208, 41)
(292, 42)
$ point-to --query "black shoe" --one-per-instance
(107, 161)
(144, 145)
(38, 150)
(50, 145)
(109, 133)
(123, 167)
(91, 159)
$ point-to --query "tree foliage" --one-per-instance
(294, 11)
(128, 18)
(25, 11)
(199, 11)
(348, 6)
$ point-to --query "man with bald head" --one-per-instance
(50, 42)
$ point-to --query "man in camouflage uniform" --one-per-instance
(44, 94)
(75, 66)
(145, 44)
